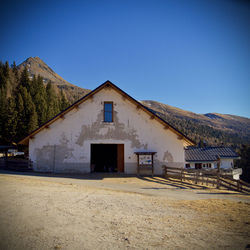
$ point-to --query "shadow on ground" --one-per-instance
(100, 176)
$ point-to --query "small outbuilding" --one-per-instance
(208, 157)
(102, 132)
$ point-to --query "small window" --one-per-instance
(108, 111)
(198, 165)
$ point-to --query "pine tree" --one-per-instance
(30, 112)
(63, 101)
(33, 86)
(21, 126)
(25, 79)
(15, 70)
(10, 124)
(27, 119)
(3, 78)
(40, 101)
(6, 69)
(52, 102)
(3, 113)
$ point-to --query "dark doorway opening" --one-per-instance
(107, 157)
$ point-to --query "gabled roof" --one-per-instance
(107, 84)
(196, 154)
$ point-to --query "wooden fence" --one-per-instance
(16, 164)
(215, 177)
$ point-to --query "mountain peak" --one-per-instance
(35, 58)
(36, 66)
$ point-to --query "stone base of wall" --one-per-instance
(67, 168)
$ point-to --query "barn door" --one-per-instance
(120, 157)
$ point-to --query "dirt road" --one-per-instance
(117, 212)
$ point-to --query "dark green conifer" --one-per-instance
(25, 79)
(40, 101)
(52, 101)
(3, 113)
(63, 101)
(27, 119)
(10, 124)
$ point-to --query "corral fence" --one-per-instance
(16, 164)
(215, 177)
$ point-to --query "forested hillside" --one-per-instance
(212, 128)
(25, 102)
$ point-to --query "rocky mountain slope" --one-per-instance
(213, 128)
(36, 66)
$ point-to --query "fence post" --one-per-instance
(218, 173)
(202, 177)
(164, 171)
(239, 188)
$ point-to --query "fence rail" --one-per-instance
(16, 164)
(216, 177)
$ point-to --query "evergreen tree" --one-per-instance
(27, 119)
(52, 102)
(6, 69)
(10, 124)
(63, 101)
(25, 79)
(244, 162)
(3, 113)
(16, 74)
(40, 101)
(30, 112)
(3, 78)
(21, 126)
(33, 86)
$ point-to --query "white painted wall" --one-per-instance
(225, 163)
(65, 146)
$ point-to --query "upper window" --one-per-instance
(108, 111)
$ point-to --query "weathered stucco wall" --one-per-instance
(65, 145)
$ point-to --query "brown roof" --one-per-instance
(84, 98)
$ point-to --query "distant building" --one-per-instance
(207, 157)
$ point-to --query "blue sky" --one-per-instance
(194, 54)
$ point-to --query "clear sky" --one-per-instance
(192, 54)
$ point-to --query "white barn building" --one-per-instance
(102, 132)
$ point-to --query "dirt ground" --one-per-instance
(118, 212)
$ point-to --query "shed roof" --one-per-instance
(198, 154)
(108, 84)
